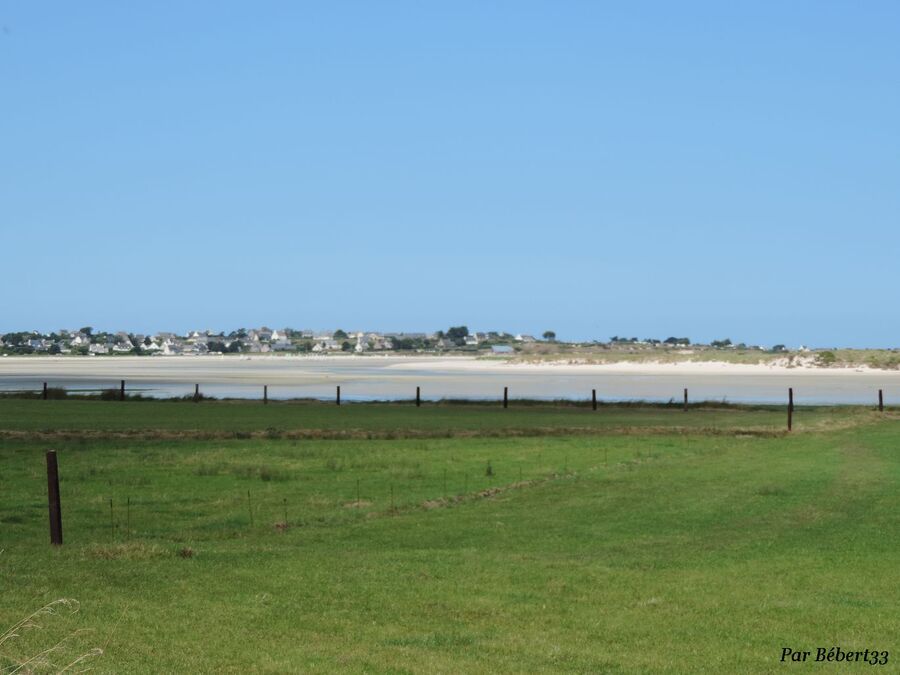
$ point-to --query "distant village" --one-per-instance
(88, 342)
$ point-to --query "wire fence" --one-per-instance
(123, 515)
(121, 392)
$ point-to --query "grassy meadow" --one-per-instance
(231, 418)
(304, 537)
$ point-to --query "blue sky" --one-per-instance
(710, 169)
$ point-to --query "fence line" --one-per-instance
(120, 394)
(435, 488)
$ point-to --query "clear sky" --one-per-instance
(706, 169)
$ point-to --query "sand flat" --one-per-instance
(392, 377)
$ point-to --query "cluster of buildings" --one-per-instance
(250, 341)
(378, 342)
(86, 341)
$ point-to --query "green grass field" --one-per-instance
(227, 418)
(371, 538)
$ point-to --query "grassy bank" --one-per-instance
(225, 418)
(603, 552)
(551, 352)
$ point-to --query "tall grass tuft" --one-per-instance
(9, 665)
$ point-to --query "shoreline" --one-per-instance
(392, 377)
(455, 363)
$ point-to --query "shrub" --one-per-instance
(826, 359)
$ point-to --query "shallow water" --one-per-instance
(396, 378)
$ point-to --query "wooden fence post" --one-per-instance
(338, 398)
(196, 393)
(594, 398)
(56, 535)
(505, 397)
(790, 408)
(685, 399)
(122, 390)
(418, 397)
(265, 394)
(45, 391)
(881, 400)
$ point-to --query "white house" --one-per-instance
(379, 342)
(199, 348)
(326, 345)
(39, 345)
(362, 344)
(282, 344)
(98, 349)
(171, 348)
